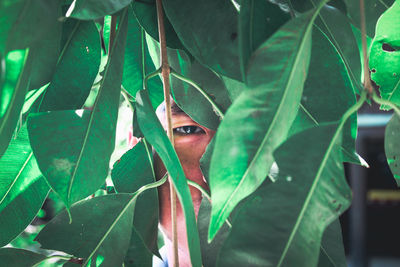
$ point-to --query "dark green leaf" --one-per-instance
(258, 20)
(260, 118)
(234, 87)
(132, 171)
(188, 98)
(332, 250)
(154, 133)
(210, 34)
(384, 60)
(22, 188)
(67, 143)
(138, 254)
(206, 160)
(373, 10)
(13, 87)
(146, 14)
(392, 144)
(19, 257)
(311, 193)
(94, 9)
(100, 230)
(132, 79)
(77, 67)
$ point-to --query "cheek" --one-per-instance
(191, 148)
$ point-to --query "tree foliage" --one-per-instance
(277, 79)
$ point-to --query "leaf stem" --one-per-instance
(151, 75)
(384, 102)
(216, 109)
(367, 79)
(165, 71)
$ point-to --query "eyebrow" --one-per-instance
(175, 109)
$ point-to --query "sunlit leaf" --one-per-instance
(332, 250)
(211, 33)
(74, 140)
(132, 79)
(258, 121)
(392, 145)
(384, 61)
(98, 223)
(258, 20)
(77, 67)
(311, 193)
(94, 9)
(154, 133)
(373, 10)
(13, 87)
(132, 171)
(22, 188)
(146, 14)
(19, 257)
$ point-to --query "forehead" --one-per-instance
(175, 110)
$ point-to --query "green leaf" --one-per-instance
(384, 60)
(13, 86)
(312, 192)
(210, 34)
(188, 98)
(19, 257)
(66, 143)
(146, 14)
(25, 22)
(92, 235)
(22, 188)
(206, 160)
(154, 133)
(392, 144)
(258, 20)
(138, 254)
(373, 10)
(332, 250)
(94, 9)
(210, 251)
(260, 118)
(132, 171)
(337, 30)
(132, 79)
(234, 87)
(77, 67)
(327, 101)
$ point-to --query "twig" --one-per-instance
(165, 71)
(367, 79)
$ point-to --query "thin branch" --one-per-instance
(165, 71)
(367, 79)
(384, 102)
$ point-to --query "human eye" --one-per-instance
(185, 130)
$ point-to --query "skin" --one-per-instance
(190, 142)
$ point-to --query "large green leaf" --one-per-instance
(327, 102)
(188, 98)
(77, 67)
(384, 60)
(100, 231)
(258, 20)
(138, 255)
(373, 10)
(67, 144)
(132, 171)
(22, 188)
(24, 22)
(146, 14)
(19, 257)
(312, 192)
(94, 9)
(14, 83)
(210, 34)
(260, 118)
(332, 250)
(132, 80)
(154, 133)
(392, 144)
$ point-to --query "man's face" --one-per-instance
(190, 140)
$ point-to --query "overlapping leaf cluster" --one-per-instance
(277, 80)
